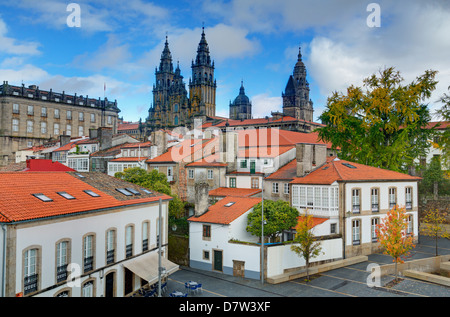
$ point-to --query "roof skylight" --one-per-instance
(231, 203)
(124, 191)
(65, 195)
(133, 191)
(91, 193)
(42, 197)
(146, 191)
(348, 165)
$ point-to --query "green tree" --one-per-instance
(306, 244)
(278, 216)
(155, 181)
(383, 123)
(434, 180)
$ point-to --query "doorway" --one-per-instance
(110, 284)
(218, 260)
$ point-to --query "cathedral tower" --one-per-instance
(296, 102)
(241, 108)
(202, 85)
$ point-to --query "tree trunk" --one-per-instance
(307, 270)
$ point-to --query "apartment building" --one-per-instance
(30, 117)
(71, 234)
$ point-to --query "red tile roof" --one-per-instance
(184, 151)
(17, 202)
(315, 220)
(208, 161)
(276, 137)
(39, 165)
(237, 192)
(338, 170)
(220, 214)
(127, 126)
(128, 159)
(264, 151)
(287, 172)
(137, 145)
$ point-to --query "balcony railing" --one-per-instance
(61, 273)
(375, 208)
(30, 283)
(88, 264)
(110, 256)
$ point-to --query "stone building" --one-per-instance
(30, 116)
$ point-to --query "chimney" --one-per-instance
(201, 198)
(309, 157)
(105, 136)
(159, 138)
(229, 149)
(64, 139)
(93, 133)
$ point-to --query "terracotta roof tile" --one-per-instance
(221, 214)
(237, 192)
(184, 151)
(264, 151)
(288, 171)
(17, 202)
(341, 170)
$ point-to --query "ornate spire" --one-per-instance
(166, 59)
(203, 57)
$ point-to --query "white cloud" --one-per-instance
(9, 45)
(263, 105)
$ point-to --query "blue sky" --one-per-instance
(120, 43)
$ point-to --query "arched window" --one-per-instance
(175, 120)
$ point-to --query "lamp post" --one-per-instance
(262, 229)
(159, 249)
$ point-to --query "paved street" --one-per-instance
(348, 281)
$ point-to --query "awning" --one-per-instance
(146, 266)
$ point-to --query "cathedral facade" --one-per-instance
(172, 105)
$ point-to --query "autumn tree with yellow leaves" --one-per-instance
(433, 226)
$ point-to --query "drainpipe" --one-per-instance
(4, 261)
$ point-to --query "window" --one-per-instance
(205, 255)
(61, 261)
(210, 174)
(30, 110)
(80, 131)
(88, 253)
(15, 108)
(57, 115)
(286, 188)
(374, 200)
(332, 228)
(30, 274)
(356, 232)
(275, 188)
(145, 235)
(408, 198)
(92, 117)
(42, 197)
(110, 246)
(69, 115)
(191, 173)
(255, 182)
(129, 241)
(69, 130)
(409, 227)
(124, 191)
(43, 127)
(206, 231)
(43, 112)
(109, 120)
(374, 223)
(392, 197)
(88, 289)
(244, 164)
(355, 201)
(30, 126)
(81, 116)
(56, 129)
(66, 195)
(233, 182)
(15, 125)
